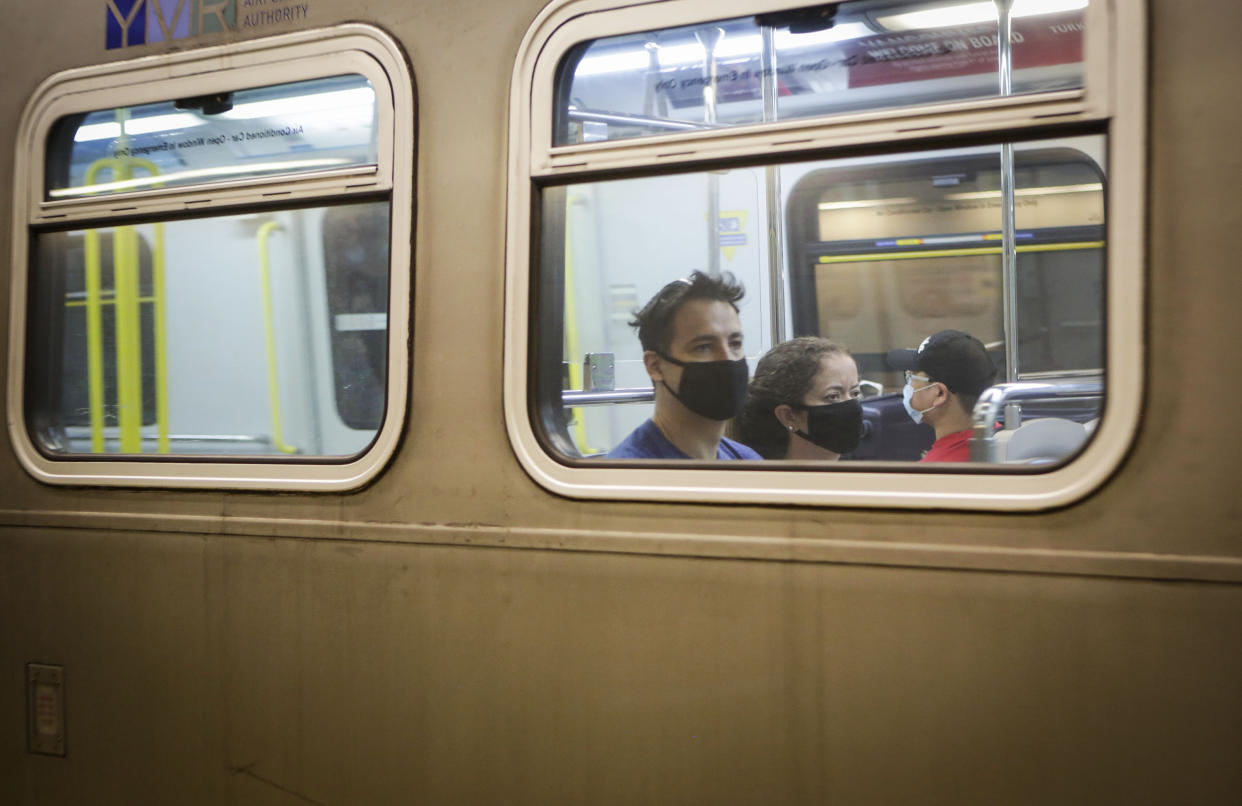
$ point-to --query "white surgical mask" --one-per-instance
(907, 392)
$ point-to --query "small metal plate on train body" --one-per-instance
(45, 691)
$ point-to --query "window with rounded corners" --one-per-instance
(211, 266)
(913, 178)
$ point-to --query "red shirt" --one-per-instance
(950, 448)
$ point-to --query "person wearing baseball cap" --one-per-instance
(944, 378)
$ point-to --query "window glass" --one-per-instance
(205, 267)
(1059, 214)
(924, 237)
(258, 333)
(832, 59)
(324, 124)
(874, 253)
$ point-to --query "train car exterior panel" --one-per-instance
(349, 672)
(454, 633)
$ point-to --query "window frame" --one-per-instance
(350, 48)
(1113, 99)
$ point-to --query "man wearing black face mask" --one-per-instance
(692, 350)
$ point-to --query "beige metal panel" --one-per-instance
(125, 616)
(233, 669)
(1186, 481)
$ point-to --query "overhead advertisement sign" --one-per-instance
(1041, 41)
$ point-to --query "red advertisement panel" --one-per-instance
(1048, 39)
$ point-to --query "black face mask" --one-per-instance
(835, 427)
(711, 389)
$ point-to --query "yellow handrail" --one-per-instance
(979, 250)
(128, 367)
(273, 387)
(94, 341)
(128, 338)
(571, 330)
(161, 335)
(128, 322)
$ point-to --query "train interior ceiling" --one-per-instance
(319, 332)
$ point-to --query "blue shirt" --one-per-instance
(648, 442)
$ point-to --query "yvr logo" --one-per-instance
(143, 22)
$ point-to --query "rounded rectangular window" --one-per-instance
(881, 254)
(259, 334)
(862, 253)
(829, 59)
(322, 124)
(218, 283)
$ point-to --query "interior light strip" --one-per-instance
(198, 173)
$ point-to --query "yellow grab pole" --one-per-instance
(94, 319)
(128, 338)
(126, 312)
(980, 250)
(273, 386)
(94, 342)
(126, 281)
(160, 317)
(161, 334)
(571, 327)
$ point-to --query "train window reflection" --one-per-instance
(214, 268)
(926, 235)
(252, 334)
(874, 254)
(823, 60)
(322, 124)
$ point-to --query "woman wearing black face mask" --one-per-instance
(803, 402)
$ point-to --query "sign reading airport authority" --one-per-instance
(144, 22)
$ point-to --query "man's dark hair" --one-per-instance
(968, 401)
(783, 376)
(655, 320)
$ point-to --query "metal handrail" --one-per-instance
(575, 397)
(992, 403)
(269, 332)
(622, 119)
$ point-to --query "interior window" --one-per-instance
(235, 334)
(922, 238)
(895, 227)
(882, 253)
(822, 60)
(207, 266)
(282, 129)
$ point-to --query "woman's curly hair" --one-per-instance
(782, 376)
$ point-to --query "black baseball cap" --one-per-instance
(956, 359)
